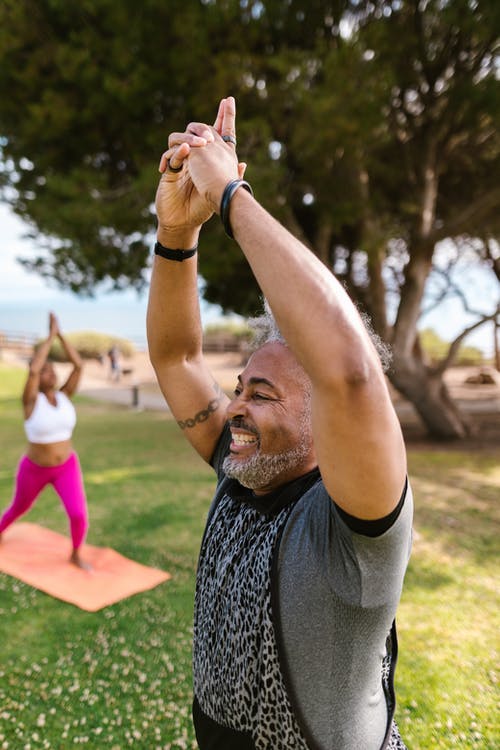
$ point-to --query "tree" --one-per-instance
(368, 128)
(410, 160)
(89, 92)
(441, 114)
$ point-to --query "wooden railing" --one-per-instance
(17, 340)
(24, 342)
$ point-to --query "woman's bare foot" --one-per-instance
(77, 560)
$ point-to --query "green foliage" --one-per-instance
(81, 150)
(91, 345)
(354, 116)
(239, 330)
(122, 676)
(226, 325)
(226, 335)
(436, 349)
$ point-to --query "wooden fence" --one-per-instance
(17, 340)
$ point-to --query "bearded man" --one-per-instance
(307, 540)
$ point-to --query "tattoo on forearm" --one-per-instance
(204, 414)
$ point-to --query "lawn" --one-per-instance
(120, 677)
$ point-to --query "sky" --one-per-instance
(26, 299)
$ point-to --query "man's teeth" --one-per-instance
(244, 439)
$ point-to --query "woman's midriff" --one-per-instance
(49, 454)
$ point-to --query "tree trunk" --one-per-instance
(323, 241)
(422, 385)
(430, 396)
(375, 250)
(377, 302)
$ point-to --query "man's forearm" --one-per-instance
(173, 317)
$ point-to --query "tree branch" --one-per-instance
(479, 209)
(455, 344)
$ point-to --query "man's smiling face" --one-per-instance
(270, 421)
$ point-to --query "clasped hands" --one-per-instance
(196, 167)
(53, 326)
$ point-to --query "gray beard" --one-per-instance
(260, 469)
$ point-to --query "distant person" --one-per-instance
(114, 363)
(49, 420)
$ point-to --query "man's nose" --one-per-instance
(236, 408)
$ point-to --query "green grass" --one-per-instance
(448, 618)
(121, 677)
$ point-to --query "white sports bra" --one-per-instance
(48, 423)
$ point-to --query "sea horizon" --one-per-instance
(118, 314)
(123, 318)
(121, 315)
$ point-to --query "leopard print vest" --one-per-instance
(237, 675)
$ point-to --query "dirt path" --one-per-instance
(138, 370)
(138, 388)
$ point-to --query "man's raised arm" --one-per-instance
(357, 435)
(173, 318)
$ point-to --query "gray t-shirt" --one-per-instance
(292, 613)
(338, 594)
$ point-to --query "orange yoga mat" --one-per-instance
(39, 557)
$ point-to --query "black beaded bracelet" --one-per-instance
(169, 254)
(228, 193)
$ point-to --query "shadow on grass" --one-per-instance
(456, 504)
(420, 576)
(461, 533)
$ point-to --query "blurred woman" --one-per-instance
(49, 420)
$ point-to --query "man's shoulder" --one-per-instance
(317, 506)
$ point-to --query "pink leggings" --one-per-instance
(67, 481)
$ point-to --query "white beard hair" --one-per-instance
(260, 469)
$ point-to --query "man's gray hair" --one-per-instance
(265, 331)
(264, 328)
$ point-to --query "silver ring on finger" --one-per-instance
(229, 139)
